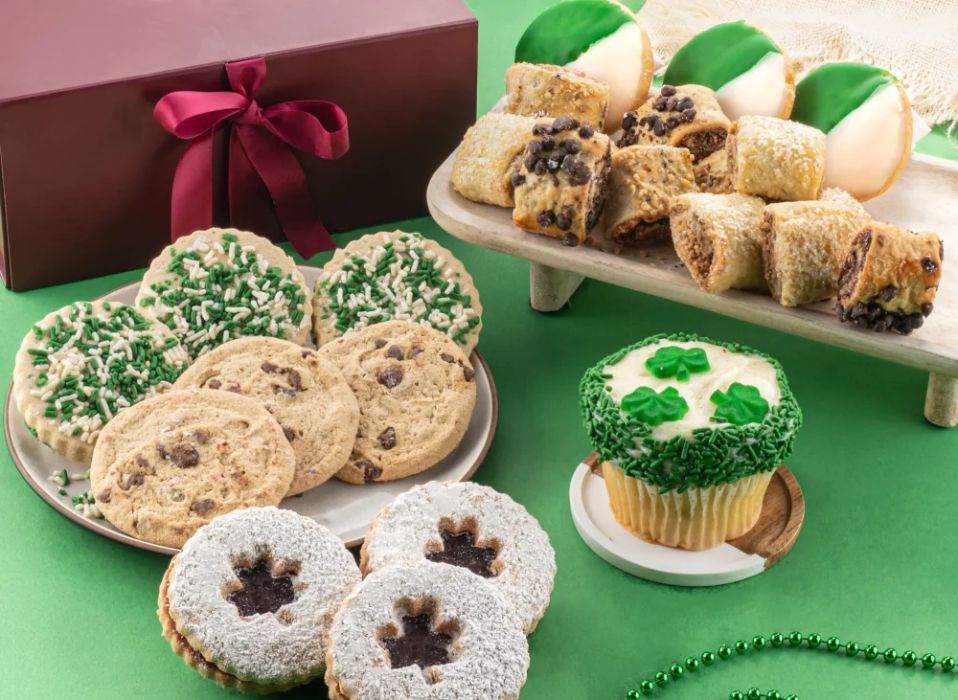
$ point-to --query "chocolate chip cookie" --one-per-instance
(416, 391)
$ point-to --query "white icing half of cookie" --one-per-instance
(760, 91)
(727, 367)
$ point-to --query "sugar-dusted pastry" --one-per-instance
(560, 187)
(687, 116)
(804, 246)
(601, 38)
(775, 158)
(837, 194)
(711, 173)
(889, 279)
(749, 72)
(489, 155)
(719, 239)
(535, 90)
(689, 432)
(867, 118)
(642, 183)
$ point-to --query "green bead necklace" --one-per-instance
(795, 639)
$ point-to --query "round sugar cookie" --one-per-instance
(426, 632)
(250, 600)
(83, 364)
(220, 284)
(867, 120)
(472, 526)
(169, 465)
(416, 392)
(603, 39)
(749, 72)
(307, 395)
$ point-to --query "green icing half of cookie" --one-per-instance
(565, 31)
(833, 91)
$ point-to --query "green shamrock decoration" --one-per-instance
(743, 404)
(673, 361)
(653, 408)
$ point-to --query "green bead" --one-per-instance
(646, 687)
(632, 695)
(851, 648)
(778, 638)
(928, 660)
(708, 658)
(909, 658)
(795, 638)
(725, 652)
(833, 644)
(871, 652)
(792, 697)
(948, 663)
(661, 678)
(676, 671)
(758, 642)
(741, 646)
(890, 655)
(814, 641)
(754, 694)
(692, 663)
(773, 695)
(736, 695)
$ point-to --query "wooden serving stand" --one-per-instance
(924, 197)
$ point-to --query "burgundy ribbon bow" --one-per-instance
(259, 150)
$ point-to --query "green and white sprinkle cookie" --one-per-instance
(85, 363)
(386, 276)
(217, 285)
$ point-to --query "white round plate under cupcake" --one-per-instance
(346, 509)
(783, 511)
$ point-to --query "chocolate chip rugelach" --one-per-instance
(804, 246)
(719, 238)
(642, 183)
(687, 116)
(539, 90)
(559, 189)
(491, 151)
(711, 173)
(776, 159)
(889, 278)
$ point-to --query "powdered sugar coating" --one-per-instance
(492, 655)
(410, 527)
(288, 645)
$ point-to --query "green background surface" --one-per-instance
(877, 559)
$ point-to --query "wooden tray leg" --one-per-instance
(941, 401)
(550, 288)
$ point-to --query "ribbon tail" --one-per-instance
(250, 203)
(192, 201)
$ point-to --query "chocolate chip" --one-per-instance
(546, 218)
(518, 179)
(289, 433)
(143, 462)
(548, 143)
(390, 377)
(268, 367)
(571, 146)
(395, 352)
(447, 358)
(672, 122)
(555, 158)
(570, 240)
(565, 124)
(859, 309)
(370, 470)
(530, 162)
(661, 104)
(184, 455)
(380, 343)
(649, 119)
(874, 313)
(387, 438)
(586, 132)
(204, 507)
(926, 309)
(541, 129)
(534, 146)
(915, 321)
(628, 120)
(277, 389)
(135, 479)
(569, 164)
(162, 452)
(582, 175)
(888, 293)
(659, 127)
(688, 114)
(307, 353)
(929, 265)
(672, 103)
(413, 352)
(214, 384)
(202, 437)
(667, 90)
(468, 373)
(684, 104)
(541, 167)
(564, 219)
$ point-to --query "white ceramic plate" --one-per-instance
(346, 509)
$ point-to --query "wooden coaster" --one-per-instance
(783, 512)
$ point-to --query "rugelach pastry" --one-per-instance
(560, 187)
(686, 116)
(214, 286)
(776, 159)
(889, 278)
(472, 526)
(642, 184)
(167, 466)
(837, 194)
(489, 155)
(711, 173)
(689, 432)
(307, 395)
(250, 600)
(804, 246)
(85, 363)
(416, 392)
(719, 239)
(396, 276)
(534, 90)
(426, 632)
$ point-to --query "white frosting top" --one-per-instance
(525, 563)
(759, 91)
(727, 367)
(285, 645)
(865, 148)
(491, 652)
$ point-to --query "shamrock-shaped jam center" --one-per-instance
(681, 363)
(740, 405)
(654, 408)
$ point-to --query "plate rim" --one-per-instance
(124, 538)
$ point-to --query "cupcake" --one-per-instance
(689, 432)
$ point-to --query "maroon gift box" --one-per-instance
(86, 173)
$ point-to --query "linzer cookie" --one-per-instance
(85, 363)
(214, 286)
(306, 394)
(559, 189)
(776, 159)
(416, 392)
(426, 632)
(396, 276)
(169, 465)
(889, 279)
(489, 155)
(250, 600)
(685, 116)
(472, 526)
(534, 90)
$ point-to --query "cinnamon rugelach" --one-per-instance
(540, 90)
(490, 153)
